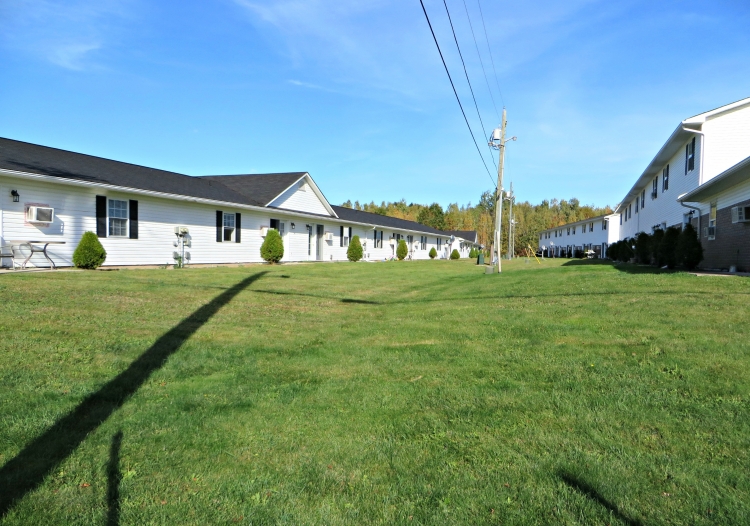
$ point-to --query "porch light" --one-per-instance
(292, 226)
(16, 195)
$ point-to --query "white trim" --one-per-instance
(315, 189)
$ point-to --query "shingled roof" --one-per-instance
(261, 189)
(468, 235)
(358, 216)
(246, 189)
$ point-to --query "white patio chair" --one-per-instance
(8, 252)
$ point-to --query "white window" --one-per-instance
(690, 156)
(118, 218)
(228, 226)
(665, 179)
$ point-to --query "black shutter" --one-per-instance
(133, 217)
(341, 236)
(101, 215)
(350, 234)
(237, 227)
(375, 239)
(687, 154)
(219, 226)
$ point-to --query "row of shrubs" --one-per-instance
(90, 253)
(272, 249)
(673, 247)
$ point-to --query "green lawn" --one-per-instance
(389, 393)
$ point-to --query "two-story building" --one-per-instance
(595, 233)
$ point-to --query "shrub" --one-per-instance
(689, 248)
(433, 253)
(89, 253)
(272, 249)
(401, 250)
(473, 253)
(656, 239)
(354, 252)
(455, 254)
(643, 248)
(668, 247)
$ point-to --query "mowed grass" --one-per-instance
(389, 393)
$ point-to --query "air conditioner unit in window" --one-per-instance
(40, 214)
(328, 236)
(711, 231)
(263, 231)
(741, 214)
(653, 194)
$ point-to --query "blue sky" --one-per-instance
(354, 91)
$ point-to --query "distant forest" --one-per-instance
(530, 219)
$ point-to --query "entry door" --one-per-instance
(319, 243)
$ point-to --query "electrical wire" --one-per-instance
(481, 61)
(466, 73)
(479, 3)
(455, 92)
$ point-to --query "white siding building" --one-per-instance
(699, 149)
(699, 175)
(596, 234)
(134, 211)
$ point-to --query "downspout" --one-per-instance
(699, 216)
(700, 174)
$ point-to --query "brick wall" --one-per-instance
(722, 252)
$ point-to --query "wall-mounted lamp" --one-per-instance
(16, 195)
(292, 226)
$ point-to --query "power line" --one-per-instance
(481, 62)
(479, 3)
(466, 73)
(455, 92)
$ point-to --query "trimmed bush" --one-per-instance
(354, 252)
(643, 248)
(656, 238)
(272, 249)
(473, 253)
(401, 250)
(689, 248)
(455, 254)
(433, 253)
(668, 247)
(89, 253)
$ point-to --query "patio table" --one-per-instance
(35, 248)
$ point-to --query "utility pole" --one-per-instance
(498, 141)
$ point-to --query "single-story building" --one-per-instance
(52, 195)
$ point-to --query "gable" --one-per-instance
(301, 197)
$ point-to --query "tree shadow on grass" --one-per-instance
(318, 296)
(586, 489)
(630, 268)
(27, 470)
(114, 476)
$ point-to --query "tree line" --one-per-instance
(530, 218)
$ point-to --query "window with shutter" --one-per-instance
(341, 236)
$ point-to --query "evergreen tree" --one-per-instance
(689, 248)
(272, 249)
(433, 253)
(643, 248)
(455, 254)
(656, 238)
(668, 247)
(354, 252)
